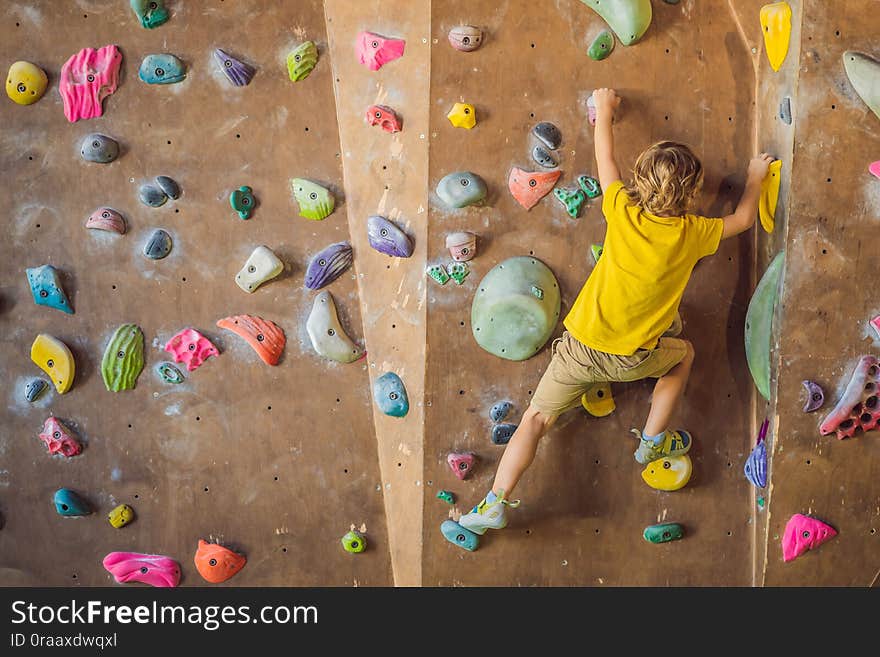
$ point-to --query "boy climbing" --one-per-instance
(622, 323)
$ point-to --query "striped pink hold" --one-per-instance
(87, 78)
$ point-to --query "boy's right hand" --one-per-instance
(606, 101)
(758, 166)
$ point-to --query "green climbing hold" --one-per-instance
(123, 358)
(242, 201)
(759, 324)
(663, 533)
(458, 271)
(438, 273)
(446, 496)
(590, 185)
(602, 46)
(151, 13)
(315, 202)
(629, 19)
(572, 199)
(761, 502)
(516, 308)
(301, 61)
(168, 373)
(354, 542)
(596, 250)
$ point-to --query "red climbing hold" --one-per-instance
(265, 337)
(803, 533)
(859, 408)
(461, 464)
(530, 187)
(383, 116)
(58, 439)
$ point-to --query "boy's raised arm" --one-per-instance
(606, 101)
(746, 211)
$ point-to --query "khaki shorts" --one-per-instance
(575, 367)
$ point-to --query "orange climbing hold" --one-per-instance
(216, 563)
(529, 187)
(266, 337)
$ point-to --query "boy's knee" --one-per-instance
(689, 353)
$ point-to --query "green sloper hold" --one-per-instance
(864, 75)
(759, 322)
(663, 533)
(302, 61)
(629, 19)
(516, 308)
(123, 358)
(315, 202)
(151, 13)
(602, 46)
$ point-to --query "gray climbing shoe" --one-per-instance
(673, 443)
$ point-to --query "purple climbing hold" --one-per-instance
(815, 397)
(327, 265)
(387, 238)
(239, 73)
(755, 467)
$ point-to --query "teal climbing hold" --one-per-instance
(446, 496)
(759, 324)
(572, 199)
(590, 185)
(151, 13)
(68, 503)
(46, 288)
(169, 373)
(663, 533)
(602, 46)
(242, 201)
(162, 68)
(629, 19)
(390, 395)
(458, 535)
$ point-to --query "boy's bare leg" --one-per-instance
(520, 451)
(667, 392)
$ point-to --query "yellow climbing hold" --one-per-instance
(770, 196)
(54, 358)
(669, 473)
(26, 83)
(776, 25)
(462, 115)
(121, 516)
(598, 400)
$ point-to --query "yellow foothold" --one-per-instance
(26, 83)
(669, 473)
(121, 516)
(462, 115)
(770, 196)
(598, 400)
(776, 26)
(54, 358)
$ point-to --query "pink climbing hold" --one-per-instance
(875, 324)
(461, 464)
(87, 78)
(374, 51)
(191, 347)
(152, 569)
(58, 439)
(803, 533)
(874, 168)
(859, 408)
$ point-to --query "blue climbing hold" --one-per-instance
(390, 395)
(46, 288)
(162, 69)
(458, 535)
(501, 433)
(34, 388)
(68, 503)
(499, 411)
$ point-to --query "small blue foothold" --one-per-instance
(68, 503)
(34, 388)
(390, 395)
(46, 288)
(162, 69)
(458, 535)
(499, 411)
(501, 433)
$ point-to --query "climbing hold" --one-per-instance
(301, 61)
(315, 202)
(238, 72)
(150, 194)
(462, 115)
(151, 13)
(326, 333)
(438, 273)
(770, 196)
(153, 569)
(383, 116)
(264, 336)
(501, 433)
(804, 533)
(120, 516)
(529, 187)
(759, 323)
(815, 396)
(461, 188)
(776, 24)
(874, 169)
(158, 246)
(462, 246)
(663, 533)
(542, 156)
(549, 134)
(458, 271)
(446, 496)
(354, 542)
(216, 563)
(54, 358)
(629, 19)
(26, 83)
(123, 358)
(508, 317)
(500, 410)
(864, 75)
(458, 535)
(68, 503)
(572, 199)
(34, 389)
(162, 69)
(785, 110)
(596, 251)
(375, 51)
(598, 401)
(669, 473)
(168, 373)
(87, 78)
(461, 464)
(168, 186)
(858, 408)
(191, 347)
(390, 395)
(242, 201)
(106, 219)
(602, 46)
(99, 148)
(328, 264)
(465, 38)
(590, 186)
(58, 439)
(262, 265)
(755, 467)
(46, 288)
(387, 238)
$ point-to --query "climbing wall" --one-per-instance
(277, 462)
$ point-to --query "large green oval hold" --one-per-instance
(123, 358)
(629, 19)
(602, 46)
(864, 75)
(759, 324)
(516, 308)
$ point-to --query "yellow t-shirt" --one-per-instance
(632, 295)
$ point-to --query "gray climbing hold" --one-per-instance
(99, 148)
(150, 194)
(499, 411)
(169, 186)
(543, 157)
(158, 246)
(501, 433)
(785, 110)
(461, 189)
(34, 388)
(549, 134)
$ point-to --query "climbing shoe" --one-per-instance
(487, 515)
(673, 443)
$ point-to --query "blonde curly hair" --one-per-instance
(666, 179)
